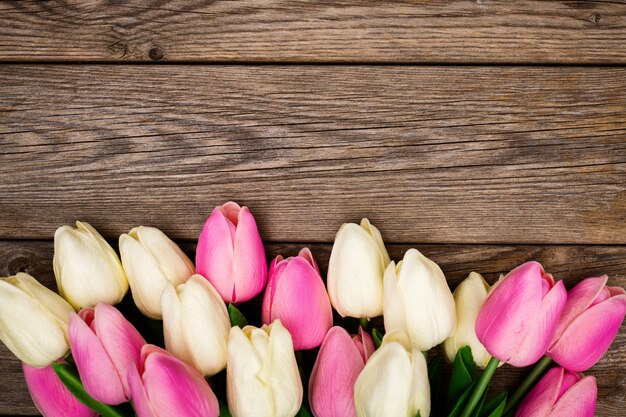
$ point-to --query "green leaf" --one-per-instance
(303, 412)
(434, 377)
(458, 406)
(479, 406)
(463, 375)
(419, 414)
(69, 376)
(224, 412)
(495, 407)
(378, 338)
(236, 317)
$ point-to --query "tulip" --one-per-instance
(164, 386)
(196, 324)
(560, 393)
(104, 345)
(262, 378)
(519, 318)
(296, 295)
(355, 270)
(151, 261)
(339, 362)
(50, 396)
(591, 319)
(469, 297)
(87, 269)
(230, 253)
(394, 381)
(418, 301)
(33, 320)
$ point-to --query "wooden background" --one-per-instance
(484, 133)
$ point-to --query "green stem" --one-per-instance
(365, 323)
(481, 386)
(527, 384)
(69, 376)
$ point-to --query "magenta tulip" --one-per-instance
(164, 386)
(591, 319)
(339, 362)
(560, 393)
(50, 396)
(296, 295)
(230, 253)
(519, 317)
(104, 345)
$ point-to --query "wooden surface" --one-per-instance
(477, 31)
(499, 137)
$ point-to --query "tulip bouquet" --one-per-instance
(182, 346)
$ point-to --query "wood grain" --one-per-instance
(480, 31)
(570, 263)
(429, 154)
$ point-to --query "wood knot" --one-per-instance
(596, 17)
(156, 54)
(17, 264)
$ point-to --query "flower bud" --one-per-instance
(151, 260)
(262, 377)
(418, 301)
(355, 270)
(469, 297)
(296, 295)
(33, 320)
(230, 253)
(590, 321)
(87, 269)
(394, 381)
(196, 325)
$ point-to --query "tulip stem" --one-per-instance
(365, 323)
(527, 384)
(481, 386)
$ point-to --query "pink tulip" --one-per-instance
(164, 386)
(519, 318)
(50, 395)
(591, 319)
(104, 345)
(560, 393)
(339, 362)
(296, 295)
(230, 253)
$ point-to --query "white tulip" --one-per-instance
(394, 381)
(33, 320)
(418, 301)
(151, 260)
(87, 268)
(469, 297)
(355, 270)
(196, 324)
(262, 378)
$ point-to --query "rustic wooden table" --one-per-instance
(485, 133)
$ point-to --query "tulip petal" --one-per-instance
(420, 389)
(50, 300)
(172, 324)
(214, 256)
(277, 267)
(365, 344)
(306, 254)
(302, 304)
(249, 263)
(177, 390)
(97, 373)
(393, 306)
(578, 401)
(540, 399)
(174, 263)
(120, 340)
(589, 335)
(335, 371)
(141, 404)
(29, 330)
(50, 396)
(284, 379)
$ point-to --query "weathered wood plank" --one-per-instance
(483, 31)
(430, 154)
(570, 263)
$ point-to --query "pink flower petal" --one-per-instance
(578, 401)
(277, 267)
(50, 395)
(306, 254)
(249, 264)
(539, 401)
(214, 254)
(364, 343)
(174, 389)
(138, 394)
(120, 340)
(96, 370)
(331, 387)
(590, 335)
